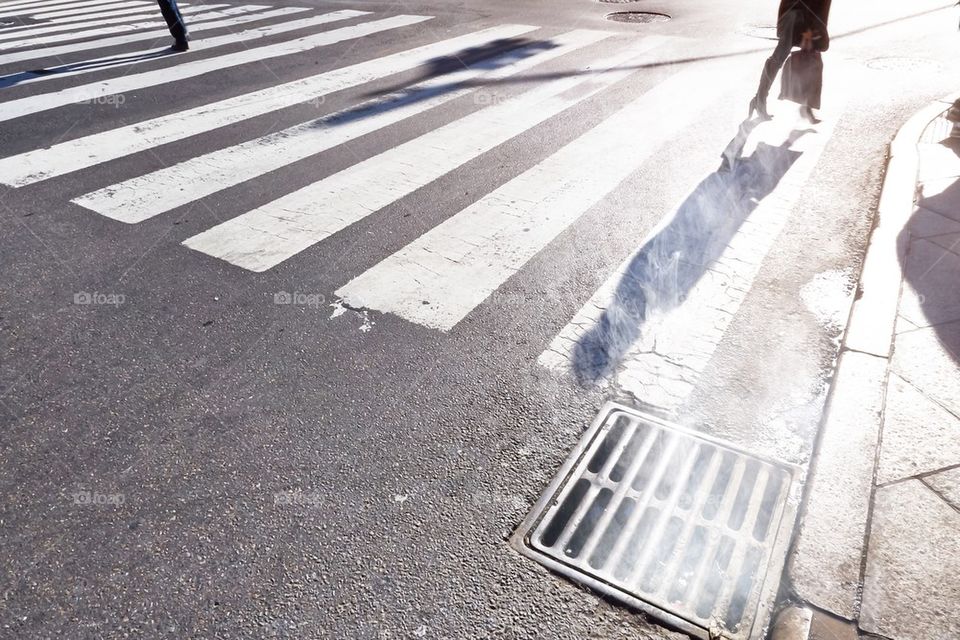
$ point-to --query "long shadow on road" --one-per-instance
(670, 263)
(90, 65)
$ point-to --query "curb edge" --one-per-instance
(876, 304)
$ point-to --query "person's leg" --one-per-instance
(772, 66)
(816, 82)
(171, 14)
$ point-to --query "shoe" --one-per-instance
(807, 114)
(180, 45)
(760, 108)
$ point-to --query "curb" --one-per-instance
(850, 429)
(871, 324)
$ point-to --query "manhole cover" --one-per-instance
(673, 522)
(903, 64)
(637, 17)
(763, 31)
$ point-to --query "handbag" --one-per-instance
(802, 78)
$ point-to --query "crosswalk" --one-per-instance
(207, 21)
(441, 277)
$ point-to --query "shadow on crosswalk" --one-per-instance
(676, 257)
(499, 54)
(91, 65)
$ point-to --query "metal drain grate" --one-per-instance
(642, 17)
(676, 523)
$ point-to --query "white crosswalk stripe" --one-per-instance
(268, 235)
(442, 276)
(72, 11)
(129, 59)
(147, 196)
(41, 5)
(72, 155)
(144, 31)
(91, 21)
(98, 90)
(456, 265)
(6, 7)
(55, 10)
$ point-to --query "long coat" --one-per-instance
(815, 14)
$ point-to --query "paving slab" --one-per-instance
(926, 223)
(930, 360)
(825, 565)
(949, 241)
(930, 292)
(919, 436)
(910, 588)
(939, 160)
(942, 196)
(947, 484)
(904, 325)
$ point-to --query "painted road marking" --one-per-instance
(198, 24)
(44, 5)
(458, 264)
(40, 10)
(98, 90)
(268, 235)
(98, 64)
(72, 155)
(149, 195)
(91, 20)
(72, 11)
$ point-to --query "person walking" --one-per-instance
(178, 28)
(795, 19)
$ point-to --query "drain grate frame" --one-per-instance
(580, 529)
(903, 63)
(637, 17)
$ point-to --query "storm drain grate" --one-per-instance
(671, 521)
(642, 17)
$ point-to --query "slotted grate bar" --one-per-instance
(620, 489)
(597, 485)
(699, 571)
(644, 564)
(641, 511)
(670, 520)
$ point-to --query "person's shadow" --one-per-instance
(90, 65)
(668, 266)
(490, 57)
(929, 250)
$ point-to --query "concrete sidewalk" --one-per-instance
(877, 550)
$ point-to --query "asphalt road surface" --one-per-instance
(296, 326)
